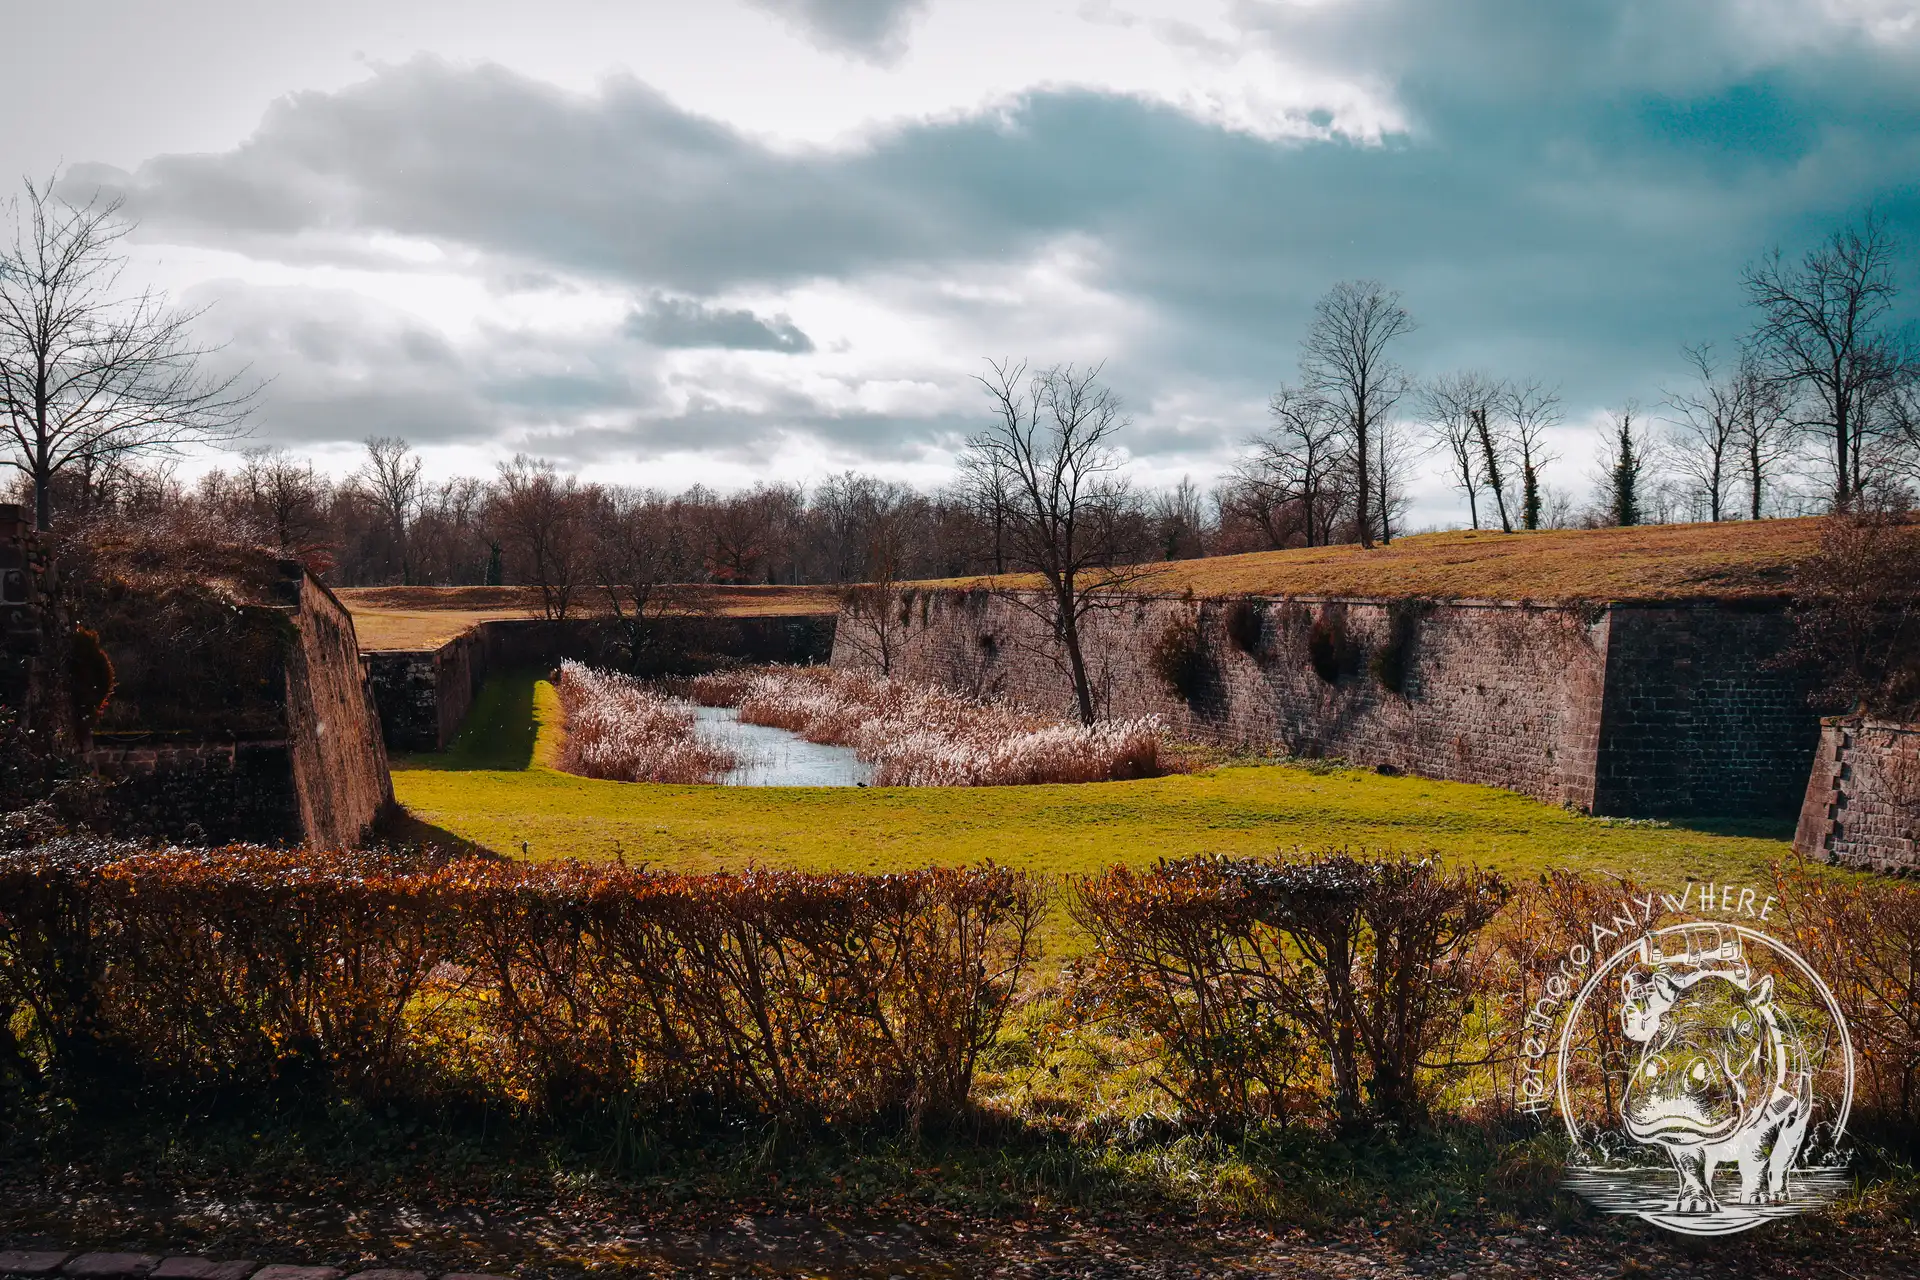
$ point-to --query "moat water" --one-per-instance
(772, 757)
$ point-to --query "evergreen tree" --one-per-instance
(1627, 465)
(1529, 497)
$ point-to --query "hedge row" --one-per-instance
(552, 986)
(1331, 988)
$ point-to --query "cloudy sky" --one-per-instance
(769, 239)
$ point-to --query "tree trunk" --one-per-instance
(1076, 661)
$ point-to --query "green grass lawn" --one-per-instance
(494, 787)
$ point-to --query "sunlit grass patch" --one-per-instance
(496, 786)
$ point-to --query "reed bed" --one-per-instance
(618, 729)
(919, 736)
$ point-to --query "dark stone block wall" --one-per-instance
(1615, 710)
(1696, 718)
(1862, 802)
(192, 791)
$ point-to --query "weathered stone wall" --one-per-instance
(303, 762)
(339, 761)
(1602, 708)
(1862, 805)
(423, 695)
(194, 791)
(1500, 693)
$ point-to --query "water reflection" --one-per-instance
(776, 758)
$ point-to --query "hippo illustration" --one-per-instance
(1722, 1075)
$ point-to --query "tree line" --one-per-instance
(1817, 407)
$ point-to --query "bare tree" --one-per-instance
(89, 374)
(634, 547)
(1053, 437)
(285, 502)
(390, 477)
(1344, 360)
(1705, 445)
(1493, 468)
(1822, 330)
(1532, 409)
(1393, 457)
(1179, 522)
(1296, 471)
(1766, 434)
(875, 609)
(542, 521)
(1454, 406)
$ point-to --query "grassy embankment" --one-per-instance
(1743, 558)
(415, 618)
(496, 787)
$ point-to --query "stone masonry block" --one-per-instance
(282, 1272)
(110, 1266)
(203, 1269)
(31, 1262)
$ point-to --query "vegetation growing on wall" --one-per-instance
(1330, 649)
(1392, 661)
(1181, 660)
(1246, 625)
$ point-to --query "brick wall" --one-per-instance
(1696, 719)
(1614, 710)
(1862, 805)
(1507, 694)
(338, 759)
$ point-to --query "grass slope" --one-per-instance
(1669, 561)
(496, 787)
(415, 618)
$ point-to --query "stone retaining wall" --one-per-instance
(1862, 806)
(1630, 710)
(309, 768)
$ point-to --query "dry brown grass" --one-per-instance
(922, 736)
(411, 618)
(1673, 561)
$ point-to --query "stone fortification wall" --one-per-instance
(281, 744)
(1698, 719)
(1862, 805)
(1592, 706)
(423, 695)
(339, 760)
(196, 791)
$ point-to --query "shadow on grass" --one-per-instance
(1742, 827)
(499, 732)
(399, 827)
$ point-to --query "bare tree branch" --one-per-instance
(88, 374)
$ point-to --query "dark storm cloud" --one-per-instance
(686, 322)
(1578, 190)
(871, 29)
